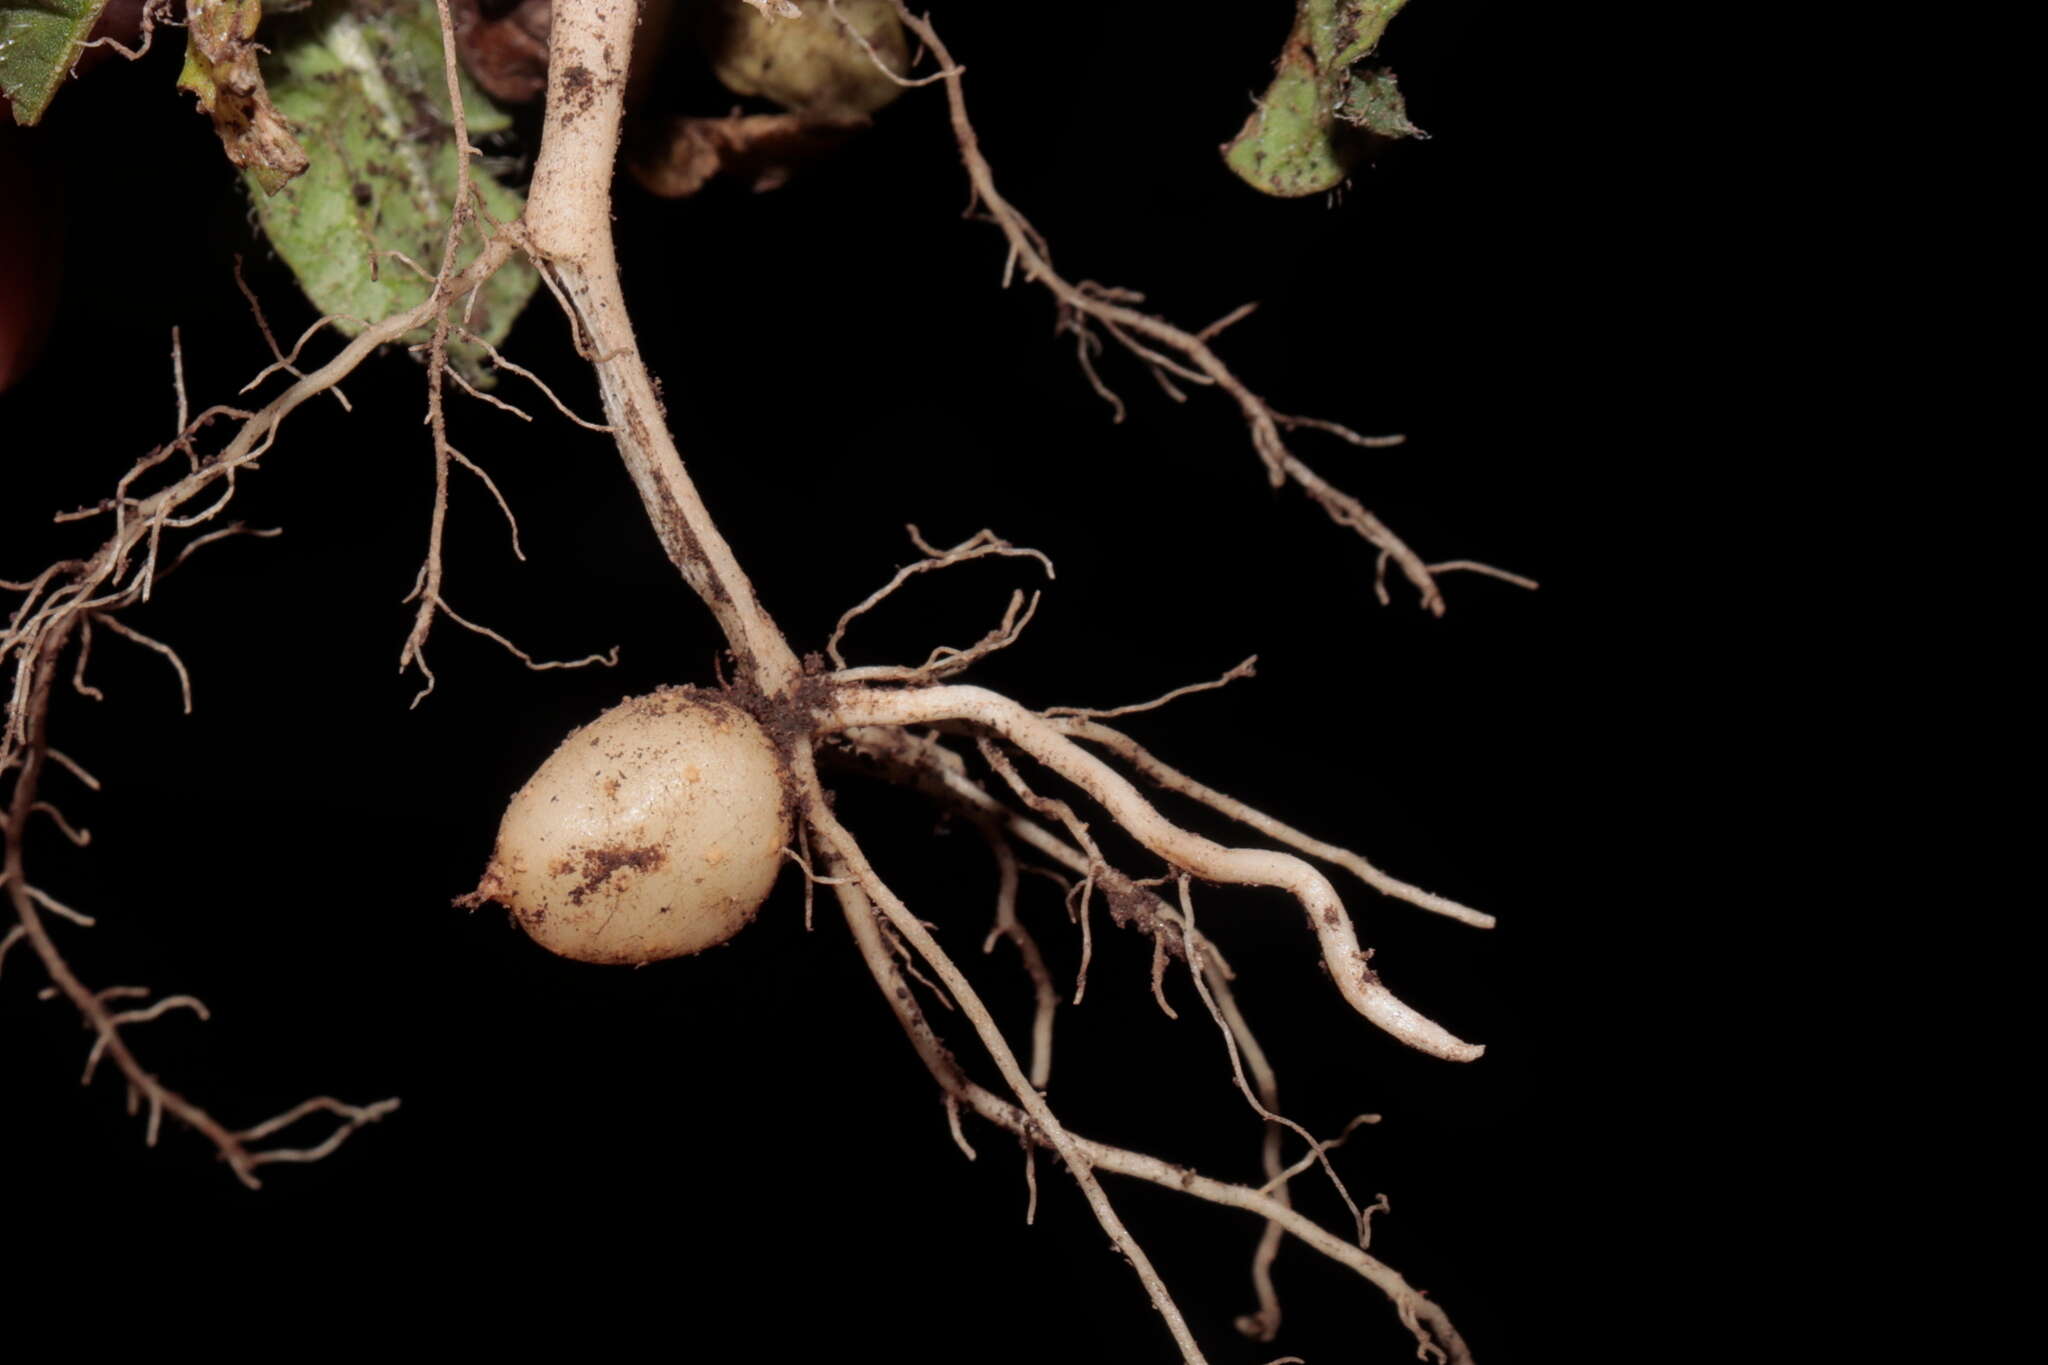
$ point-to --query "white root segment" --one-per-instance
(569, 232)
(1172, 779)
(1348, 962)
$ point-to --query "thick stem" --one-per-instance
(569, 228)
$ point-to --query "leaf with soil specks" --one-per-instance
(220, 68)
(38, 43)
(1373, 102)
(1319, 118)
(365, 88)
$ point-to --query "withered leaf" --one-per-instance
(682, 155)
(220, 68)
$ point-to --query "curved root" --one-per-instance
(1349, 963)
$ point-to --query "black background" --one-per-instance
(740, 1151)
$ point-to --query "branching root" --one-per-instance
(65, 605)
(1348, 962)
(1169, 352)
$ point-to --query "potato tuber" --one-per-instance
(652, 832)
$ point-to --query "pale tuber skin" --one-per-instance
(655, 831)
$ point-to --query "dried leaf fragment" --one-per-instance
(683, 155)
(810, 65)
(221, 69)
(505, 46)
(818, 64)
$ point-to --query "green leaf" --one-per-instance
(363, 86)
(1316, 122)
(38, 42)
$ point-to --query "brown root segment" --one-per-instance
(1170, 352)
(59, 609)
(241, 1150)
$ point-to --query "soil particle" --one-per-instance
(579, 91)
(600, 863)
